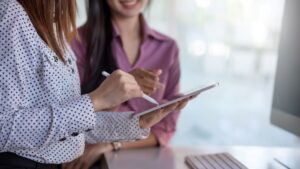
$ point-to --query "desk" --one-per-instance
(173, 157)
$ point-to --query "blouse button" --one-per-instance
(88, 130)
(63, 139)
(74, 134)
(70, 61)
(73, 71)
(55, 58)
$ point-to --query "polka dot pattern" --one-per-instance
(118, 127)
(43, 116)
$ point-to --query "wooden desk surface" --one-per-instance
(173, 157)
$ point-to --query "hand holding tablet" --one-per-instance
(185, 97)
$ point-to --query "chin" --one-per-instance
(129, 14)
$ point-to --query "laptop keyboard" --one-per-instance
(214, 161)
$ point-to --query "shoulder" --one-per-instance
(166, 43)
(11, 10)
(3, 8)
(165, 39)
(17, 31)
(161, 36)
(15, 22)
(14, 19)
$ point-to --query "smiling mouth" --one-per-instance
(129, 3)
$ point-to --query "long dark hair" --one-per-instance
(98, 33)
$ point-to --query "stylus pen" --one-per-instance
(146, 97)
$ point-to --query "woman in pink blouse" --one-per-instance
(116, 35)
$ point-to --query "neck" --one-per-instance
(128, 26)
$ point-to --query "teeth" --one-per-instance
(132, 2)
(128, 0)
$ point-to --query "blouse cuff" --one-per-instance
(142, 133)
(127, 128)
(79, 118)
(112, 126)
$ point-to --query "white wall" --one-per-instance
(81, 17)
(233, 42)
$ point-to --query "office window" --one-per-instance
(235, 43)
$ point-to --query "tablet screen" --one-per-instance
(187, 95)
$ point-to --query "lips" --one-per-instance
(129, 3)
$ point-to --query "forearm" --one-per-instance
(46, 125)
(151, 141)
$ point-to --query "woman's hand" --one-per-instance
(116, 89)
(113, 109)
(148, 80)
(150, 119)
(91, 154)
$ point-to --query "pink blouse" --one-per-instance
(157, 51)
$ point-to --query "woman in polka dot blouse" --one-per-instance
(44, 119)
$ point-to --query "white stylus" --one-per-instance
(146, 97)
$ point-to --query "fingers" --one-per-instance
(170, 108)
(150, 88)
(123, 77)
(193, 97)
(147, 90)
(85, 166)
(128, 84)
(150, 119)
(133, 91)
(151, 83)
(70, 165)
(157, 71)
(112, 109)
(152, 79)
(182, 104)
(146, 74)
(78, 165)
(148, 79)
(116, 89)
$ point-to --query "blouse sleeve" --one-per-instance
(35, 127)
(32, 126)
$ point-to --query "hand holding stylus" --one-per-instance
(146, 97)
(116, 89)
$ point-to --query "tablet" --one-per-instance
(187, 95)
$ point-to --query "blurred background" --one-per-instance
(233, 42)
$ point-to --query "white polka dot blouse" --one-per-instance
(43, 116)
